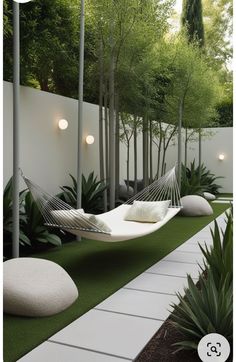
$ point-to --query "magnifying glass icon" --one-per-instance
(213, 349)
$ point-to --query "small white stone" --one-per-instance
(209, 196)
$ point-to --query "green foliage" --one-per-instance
(92, 193)
(191, 185)
(32, 229)
(203, 310)
(208, 307)
(32, 225)
(187, 73)
(192, 20)
(219, 257)
(8, 215)
(218, 24)
(225, 114)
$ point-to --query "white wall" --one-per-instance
(48, 155)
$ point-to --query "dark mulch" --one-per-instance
(161, 349)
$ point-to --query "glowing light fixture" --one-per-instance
(221, 157)
(22, 1)
(63, 124)
(89, 139)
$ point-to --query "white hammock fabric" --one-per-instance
(124, 230)
(165, 188)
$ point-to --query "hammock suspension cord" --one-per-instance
(58, 213)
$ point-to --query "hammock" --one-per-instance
(59, 214)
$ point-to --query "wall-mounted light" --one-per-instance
(63, 124)
(22, 1)
(221, 157)
(89, 139)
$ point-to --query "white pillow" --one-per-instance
(65, 217)
(147, 211)
(86, 219)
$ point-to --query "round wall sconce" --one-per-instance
(221, 157)
(63, 124)
(89, 139)
(22, 1)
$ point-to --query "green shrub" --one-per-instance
(32, 228)
(92, 193)
(32, 225)
(8, 215)
(219, 257)
(203, 310)
(207, 308)
(192, 185)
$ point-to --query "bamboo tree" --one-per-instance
(192, 20)
(135, 156)
(117, 145)
(127, 134)
(150, 151)
(101, 130)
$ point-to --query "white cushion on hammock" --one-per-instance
(147, 211)
(91, 220)
(63, 217)
(36, 287)
(124, 230)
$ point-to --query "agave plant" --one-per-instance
(207, 308)
(32, 228)
(191, 184)
(8, 215)
(219, 257)
(32, 225)
(92, 193)
(203, 310)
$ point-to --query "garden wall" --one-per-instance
(48, 155)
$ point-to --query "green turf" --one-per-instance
(98, 269)
(225, 195)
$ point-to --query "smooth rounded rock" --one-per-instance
(194, 205)
(123, 192)
(209, 196)
(36, 287)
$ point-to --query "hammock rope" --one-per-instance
(58, 213)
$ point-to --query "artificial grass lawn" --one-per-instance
(98, 269)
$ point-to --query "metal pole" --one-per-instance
(16, 101)
(80, 109)
(180, 142)
(199, 153)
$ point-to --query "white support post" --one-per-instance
(80, 110)
(16, 101)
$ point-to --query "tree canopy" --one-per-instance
(145, 80)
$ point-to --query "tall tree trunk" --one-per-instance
(106, 133)
(199, 153)
(117, 152)
(163, 158)
(145, 150)
(135, 157)
(150, 151)
(127, 168)
(159, 151)
(180, 141)
(101, 131)
(186, 148)
(112, 137)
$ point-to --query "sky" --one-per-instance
(178, 6)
